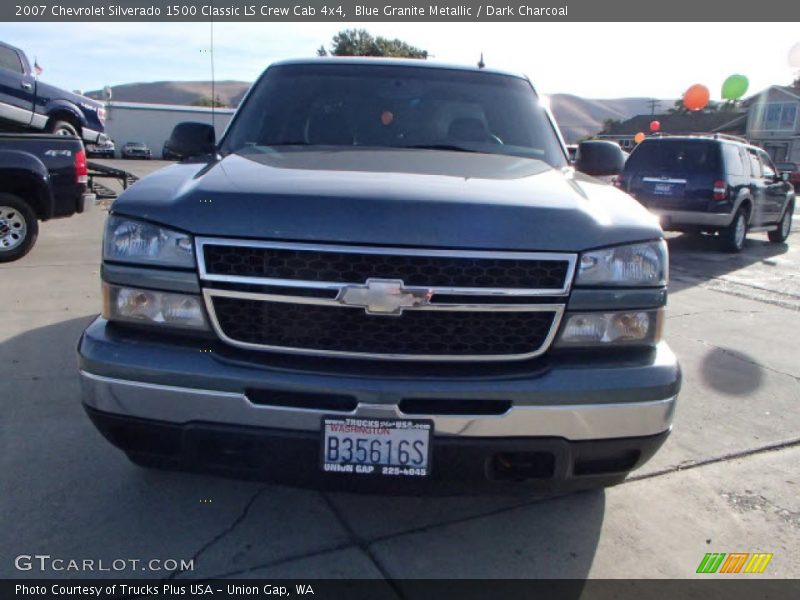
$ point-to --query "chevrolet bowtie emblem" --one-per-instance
(384, 296)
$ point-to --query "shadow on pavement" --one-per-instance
(69, 494)
(717, 373)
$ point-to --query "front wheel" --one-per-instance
(18, 228)
(780, 235)
(733, 235)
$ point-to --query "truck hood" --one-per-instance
(422, 198)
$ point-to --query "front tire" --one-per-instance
(734, 235)
(780, 235)
(18, 228)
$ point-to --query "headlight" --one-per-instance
(152, 307)
(633, 265)
(127, 240)
(638, 328)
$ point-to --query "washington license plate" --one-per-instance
(391, 447)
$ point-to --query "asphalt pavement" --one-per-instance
(727, 479)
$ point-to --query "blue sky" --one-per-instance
(594, 60)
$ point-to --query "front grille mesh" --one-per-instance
(413, 270)
(347, 329)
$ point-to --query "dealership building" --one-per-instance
(153, 123)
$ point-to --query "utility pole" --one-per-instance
(653, 104)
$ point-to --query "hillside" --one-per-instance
(577, 117)
(229, 93)
(580, 117)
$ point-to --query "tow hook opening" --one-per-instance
(519, 466)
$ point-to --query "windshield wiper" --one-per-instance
(451, 147)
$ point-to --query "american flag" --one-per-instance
(36, 68)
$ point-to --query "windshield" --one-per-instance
(383, 106)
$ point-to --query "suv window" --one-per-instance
(353, 105)
(733, 160)
(10, 60)
(755, 163)
(675, 156)
(767, 169)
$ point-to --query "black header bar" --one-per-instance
(405, 10)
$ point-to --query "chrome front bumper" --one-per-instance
(181, 405)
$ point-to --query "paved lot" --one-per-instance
(727, 480)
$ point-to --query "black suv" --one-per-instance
(709, 184)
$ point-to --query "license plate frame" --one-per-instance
(376, 430)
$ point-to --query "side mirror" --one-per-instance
(192, 139)
(599, 157)
(785, 177)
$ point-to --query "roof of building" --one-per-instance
(716, 122)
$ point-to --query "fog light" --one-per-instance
(623, 328)
(153, 307)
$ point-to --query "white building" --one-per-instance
(153, 123)
(774, 122)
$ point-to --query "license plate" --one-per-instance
(390, 447)
(665, 189)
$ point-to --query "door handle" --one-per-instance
(26, 86)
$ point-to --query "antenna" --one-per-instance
(213, 85)
(481, 64)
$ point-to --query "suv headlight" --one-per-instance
(634, 265)
(132, 241)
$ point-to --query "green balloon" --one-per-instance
(735, 87)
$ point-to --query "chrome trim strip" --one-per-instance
(663, 180)
(571, 259)
(184, 405)
(558, 309)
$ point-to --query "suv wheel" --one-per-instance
(784, 227)
(733, 235)
(18, 228)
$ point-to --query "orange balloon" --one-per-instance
(639, 137)
(696, 97)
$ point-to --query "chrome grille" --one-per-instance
(382, 303)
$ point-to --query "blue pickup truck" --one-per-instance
(385, 274)
(27, 104)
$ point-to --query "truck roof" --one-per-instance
(400, 62)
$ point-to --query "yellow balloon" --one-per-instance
(639, 137)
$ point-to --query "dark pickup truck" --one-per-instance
(41, 177)
(27, 104)
(386, 274)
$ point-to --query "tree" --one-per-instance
(608, 124)
(359, 42)
(204, 101)
(678, 108)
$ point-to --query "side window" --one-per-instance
(10, 60)
(733, 160)
(755, 164)
(767, 168)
